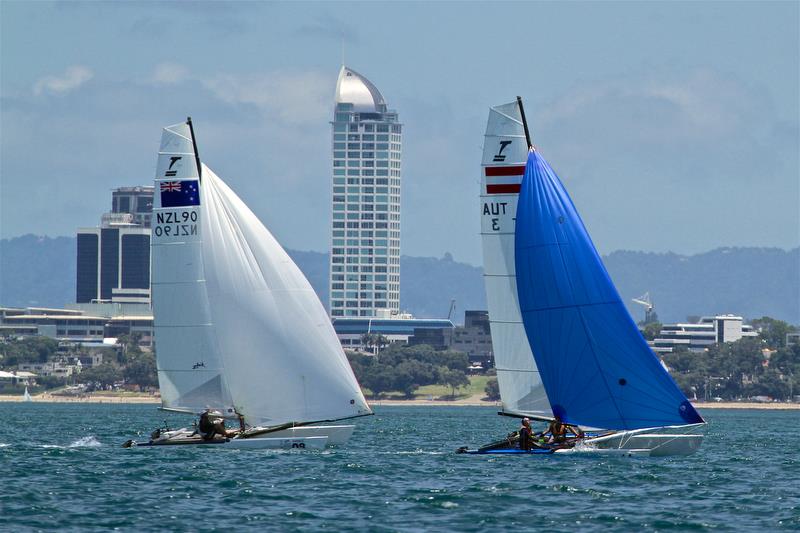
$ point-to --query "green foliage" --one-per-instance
(773, 332)
(737, 370)
(27, 350)
(406, 368)
(105, 374)
(141, 369)
(453, 378)
(492, 390)
(651, 330)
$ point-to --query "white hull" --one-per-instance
(189, 437)
(267, 443)
(656, 444)
(621, 452)
(336, 435)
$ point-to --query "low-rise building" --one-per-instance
(351, 331)
(61, 368)
(474, 338)
(699, 336)
(77, 327)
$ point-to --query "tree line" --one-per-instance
(405, 368)
(129, 364)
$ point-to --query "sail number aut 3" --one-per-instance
(239, 332)
(566, 349)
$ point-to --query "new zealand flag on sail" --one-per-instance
(180, 193)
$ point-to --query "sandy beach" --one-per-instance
(86, 398)
(472, 401)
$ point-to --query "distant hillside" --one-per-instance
(37, 271)
(753, 282)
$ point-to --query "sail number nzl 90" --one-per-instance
(176, 224)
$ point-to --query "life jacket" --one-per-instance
(525, 438)
(206, 426)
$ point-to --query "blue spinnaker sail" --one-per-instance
(596, 367)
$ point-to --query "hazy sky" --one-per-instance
(673, 125)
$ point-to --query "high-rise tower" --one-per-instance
(365, 236)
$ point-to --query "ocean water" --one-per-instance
(62, 467)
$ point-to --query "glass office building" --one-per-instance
(114, 260)
(365, 233)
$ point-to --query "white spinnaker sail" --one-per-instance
(283, 361)
(190, 367)
(504, 153)
(268, 340)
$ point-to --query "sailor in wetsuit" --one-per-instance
(525, 435)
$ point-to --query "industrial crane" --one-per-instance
(649, 308)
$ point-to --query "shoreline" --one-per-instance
(473, 401)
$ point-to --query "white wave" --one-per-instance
(86, 442)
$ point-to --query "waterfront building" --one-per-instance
(699, 336)
(365, 233)
(474, 338)
(351, 331)
(75, 326)
(113, 260)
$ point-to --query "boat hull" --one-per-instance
(658, 445)
(656, 442)
(336, 435)
(189, 437)
(256, 443)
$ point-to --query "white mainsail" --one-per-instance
(238, 326)
(505, 150)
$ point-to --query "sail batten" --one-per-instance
(596, 367)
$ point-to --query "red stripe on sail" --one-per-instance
(502, 188)
(505, 171)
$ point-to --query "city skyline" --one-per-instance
(677, 131)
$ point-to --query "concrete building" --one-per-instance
(365, 233)
(474, 338)
(351, 331)
(136, 201)
(74, 325)
(113, 260)
(698, 337)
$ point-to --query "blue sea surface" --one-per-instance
(62, 467)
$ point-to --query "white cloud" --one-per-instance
(293, 97)
(699, 105)
(169, 74)
(73, 77)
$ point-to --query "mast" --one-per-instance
(197, 155)
(524, 124)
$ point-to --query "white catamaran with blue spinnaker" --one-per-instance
(565, 347)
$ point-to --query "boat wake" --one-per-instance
(86, 442)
